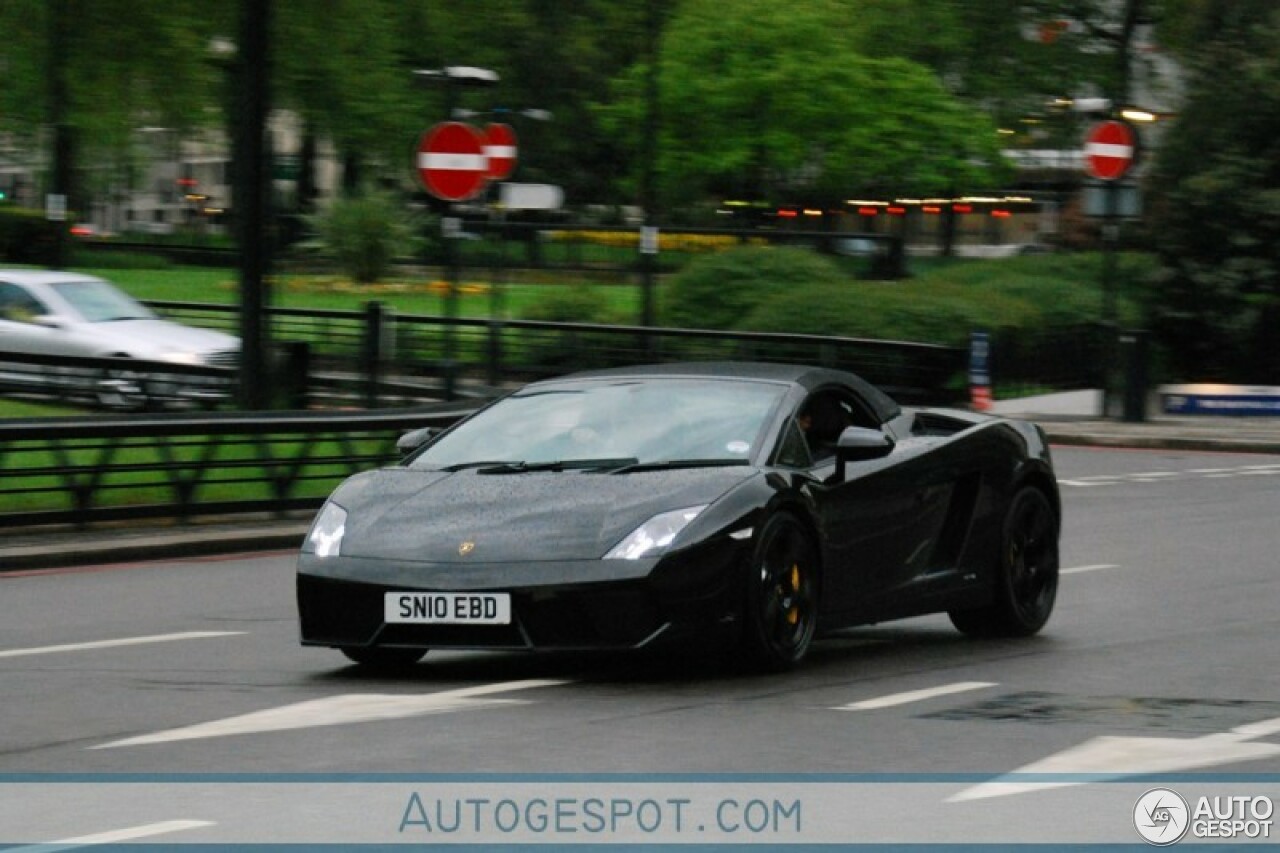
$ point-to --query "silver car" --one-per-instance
(49, 313)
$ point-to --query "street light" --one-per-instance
(533, 113)
(466, 75)
(1135, 114)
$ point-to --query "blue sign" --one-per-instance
(980, 359)
(1238, 400)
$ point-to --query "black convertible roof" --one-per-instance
(806, 376)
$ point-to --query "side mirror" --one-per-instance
(49, 321)
(415, 438)
(858, 444)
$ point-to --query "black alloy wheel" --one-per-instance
(1027, 578)
(782, 596)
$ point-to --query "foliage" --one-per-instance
(26, 236)
(113, 260)
(573, 303)
(762, 100)
(1035, 306)
(719, 291)
(946, 303)
(827, 98)
(1215, 200)
(337, 68)
(365, 233)
(125, 65)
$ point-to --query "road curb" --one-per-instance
(87, 548)
(1161, 442)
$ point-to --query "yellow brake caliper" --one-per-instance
(793, 614)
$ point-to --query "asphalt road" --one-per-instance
(1159, 660)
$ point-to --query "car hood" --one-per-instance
(426, 516)
(157, 339)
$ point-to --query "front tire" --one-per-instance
(1026, 583)
(121, 389)
(782, 596)
(378, 657)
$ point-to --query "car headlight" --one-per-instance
(325, 538)
(652, 537)
(179, 356)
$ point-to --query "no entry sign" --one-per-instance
(500, 147)
(452, 163)
(1110, 149)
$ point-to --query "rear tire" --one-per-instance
(781, 597)
(1026, 582)
(378, 657)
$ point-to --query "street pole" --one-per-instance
(1110, 244)
(252, 199)
(451, 227)
(451, 224)
(56, 204)
(1110, 238)
(649, 178)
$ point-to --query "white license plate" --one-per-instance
(447, 608)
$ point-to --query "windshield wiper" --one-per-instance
(557, 465)
(675, 464)
(459, 466)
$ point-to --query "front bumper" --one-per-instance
(595, 604)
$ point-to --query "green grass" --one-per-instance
(1041, 289)
(421, 294)
(17, 409)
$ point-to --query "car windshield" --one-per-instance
(620, 423)
(100, 302)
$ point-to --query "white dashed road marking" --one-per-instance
(112, 644)
(342, 710)
(1076, 570)
(896, 699)
(1162, 476)
(1116, 757)
(113, 837)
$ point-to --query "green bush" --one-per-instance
(26, 237)
(720, 291)
(81, 257)
(364, 233)
(866, 310)
(945, 304)
(575, 303)
(567, 351)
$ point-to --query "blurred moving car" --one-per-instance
(616, 509)
(54, 313)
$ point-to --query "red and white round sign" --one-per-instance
(1110, 149)
(500, 146)
(451, 161)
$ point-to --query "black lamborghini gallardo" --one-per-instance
(620, 508)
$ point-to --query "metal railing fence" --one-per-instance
(422, 356)
(180, 466)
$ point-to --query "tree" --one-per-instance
(1215, 197)
(1023, 61)
(340, 68)
(126, 65)
(776, 101)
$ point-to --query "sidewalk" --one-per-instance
(1068, 419)
(1074, 418)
